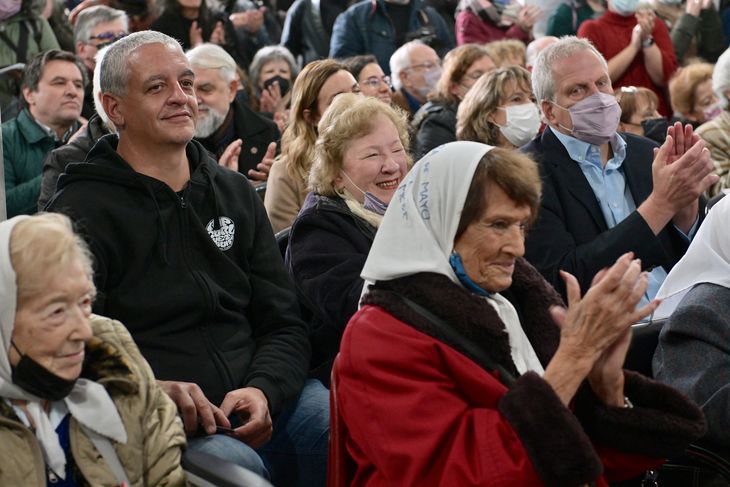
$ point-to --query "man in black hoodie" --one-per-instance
(186, 258)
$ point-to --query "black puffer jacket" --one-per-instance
(327, 250)
(433, 125)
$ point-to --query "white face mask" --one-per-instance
(523, 122)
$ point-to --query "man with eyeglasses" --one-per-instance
(96, 27)
(416, 68)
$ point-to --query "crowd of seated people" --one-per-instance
(419, 222)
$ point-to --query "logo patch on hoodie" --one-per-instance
(222, 237)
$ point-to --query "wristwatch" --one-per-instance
(648, 42)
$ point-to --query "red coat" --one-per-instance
(611, 33)
(418, 412)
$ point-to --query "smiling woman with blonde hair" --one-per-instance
(360, 159)
(313, 91)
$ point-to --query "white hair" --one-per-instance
(93, 16)
(721, 77)
(400, 60)
(212, 56)
(114, 70)
(96, 90)
(543, 76)
(535, 47)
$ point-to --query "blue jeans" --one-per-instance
(296, 455)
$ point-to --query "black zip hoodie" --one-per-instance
(195, 276)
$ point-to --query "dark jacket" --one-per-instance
(570, 232)
(415, 386)
(693, 355)
(366, 28)
(307, 31)
(25, 145)
(172, 23)
(75, 151)
(327, 250)
(256, 132)
(196, 277)
(434, 125)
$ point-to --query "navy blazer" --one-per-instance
(571, 233)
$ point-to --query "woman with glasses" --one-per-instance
(435, 122)
(500, 110)
(370, 76)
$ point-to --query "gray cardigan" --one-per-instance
(694, 355)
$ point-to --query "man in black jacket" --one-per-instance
(602, 194)
(223, 119)
(186, 259)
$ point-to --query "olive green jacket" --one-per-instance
(155, 437)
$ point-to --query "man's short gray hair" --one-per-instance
(213, 56)
(114, 72)
(543, 76)
(400, 60)
(93, 16)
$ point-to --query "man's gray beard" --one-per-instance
(206, 126)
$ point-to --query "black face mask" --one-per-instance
(655, 129)
(32, 377)
(283, 84)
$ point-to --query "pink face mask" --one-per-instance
(712, 111)
(8, 8)
(595, 118)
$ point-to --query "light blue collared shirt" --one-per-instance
(609, 185)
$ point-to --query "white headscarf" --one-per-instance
(88, 402)
(706, 260)
(418, 230)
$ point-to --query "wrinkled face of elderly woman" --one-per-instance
(374, 163)
(53, 327)
(490, 244)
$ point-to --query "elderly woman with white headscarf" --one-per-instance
(716, 132)
(693, 354)
(453, 372)
(78, 403)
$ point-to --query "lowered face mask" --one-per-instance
(32, 377)
(370, 201)
(712, 111)
(595, 118)
(523, 123)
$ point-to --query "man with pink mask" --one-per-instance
(605, 193)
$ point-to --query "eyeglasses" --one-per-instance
(374, 82)
(428, 65)
(107, 38)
